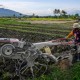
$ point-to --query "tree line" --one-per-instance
(63, 14)
(57, 13)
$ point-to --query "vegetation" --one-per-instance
(49, 29)
(60, 12)
(56, 74)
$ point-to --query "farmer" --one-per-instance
(76, 33)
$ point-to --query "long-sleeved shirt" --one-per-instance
(70, 34)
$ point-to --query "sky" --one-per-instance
(40, 7)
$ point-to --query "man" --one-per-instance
(76, 33)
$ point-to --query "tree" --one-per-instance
(20, 14)
(60, 13)
(56, 11)
(76, 15)
(63, 12)
(33, 15)
(14, 15)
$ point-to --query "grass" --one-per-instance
(48, 19)
(56, 74)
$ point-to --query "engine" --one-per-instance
(14, 48)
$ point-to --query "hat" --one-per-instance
(76, 25)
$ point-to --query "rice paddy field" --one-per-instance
(15, 28)
(33, 32)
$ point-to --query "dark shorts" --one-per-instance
(77, 55)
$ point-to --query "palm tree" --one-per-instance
(56, 11)
(63, 12)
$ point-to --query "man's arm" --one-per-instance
(70, 34)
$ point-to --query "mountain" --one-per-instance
(73, 12)
(8, 12)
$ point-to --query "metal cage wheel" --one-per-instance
(37, 68)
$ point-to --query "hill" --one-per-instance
(73, 12)
(7, 12)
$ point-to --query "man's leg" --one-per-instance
(75, 55)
